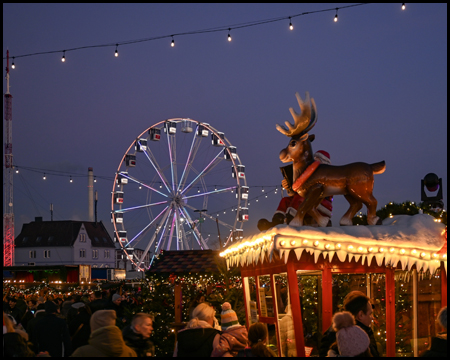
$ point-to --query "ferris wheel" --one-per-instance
(179, 186)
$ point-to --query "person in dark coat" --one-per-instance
(51, 333)
(199, 338)
(438, 347)
(79, 327)
(358, 304)
(98, 303)
(116, 305)
(137, 335)
(38, 315)
(14, 310)
(29, 314)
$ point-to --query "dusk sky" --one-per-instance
(378, 77)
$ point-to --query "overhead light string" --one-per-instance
(201, 31)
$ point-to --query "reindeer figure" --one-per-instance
(314, 181)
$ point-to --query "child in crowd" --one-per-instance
(234, 337)
(257, 340)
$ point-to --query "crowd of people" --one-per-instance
(81, 325)
(96, 324)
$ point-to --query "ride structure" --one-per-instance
(175, 190)
(8, 214)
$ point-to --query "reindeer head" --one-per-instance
(299, 148)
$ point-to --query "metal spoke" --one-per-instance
(141, 206)
(195, 232)
(156, 167)
(188, 160)
(141, 183)
(202, 172)
(146, 227)
(170, 156)
(158, 244)
(211, 217)
(171, 230)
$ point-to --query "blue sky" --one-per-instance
(378, 76)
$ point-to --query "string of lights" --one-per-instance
(192, 32)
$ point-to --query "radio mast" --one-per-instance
(8, 215)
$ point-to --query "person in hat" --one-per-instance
(359, 305)
(116, 305)
(105, 339)
(438, 347)
(287, 208)
(234, 336)
(257, 342)
(79, 326)
(51, 333)
(351, 340)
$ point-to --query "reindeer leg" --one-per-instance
(321, 220)
(311, 199)
(355, 205)
(371, 204)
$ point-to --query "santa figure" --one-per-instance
(287, 208)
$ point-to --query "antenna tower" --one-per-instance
(8, 215)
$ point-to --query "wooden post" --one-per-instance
(178, 300)
(390, 313)
(327, 297)
(295, 307)
(443, 286)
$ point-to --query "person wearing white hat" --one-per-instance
(351, 340)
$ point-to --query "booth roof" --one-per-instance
(184, 261)
(413, 240)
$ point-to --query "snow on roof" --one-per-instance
(413, 240)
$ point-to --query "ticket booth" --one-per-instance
(295, 279)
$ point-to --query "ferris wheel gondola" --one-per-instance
(154, 208)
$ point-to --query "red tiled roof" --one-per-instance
(200, 261)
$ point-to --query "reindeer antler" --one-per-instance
(302, 122)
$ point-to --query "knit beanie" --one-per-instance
(116, 296)
(351, 339)
(102, 318)
(228, 316)
(323, 157)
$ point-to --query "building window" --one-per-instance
(82, 237)
(106, 254)
(95, 254)
(32, 254)
(82, 253)
(46, 253)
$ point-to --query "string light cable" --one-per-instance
(193, 32)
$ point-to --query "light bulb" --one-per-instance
(44, 177)
(71, 179)
(12, 65)
(229, 36)
(63, 59)
(291, 27)
(403, 6)
(173, 42)
(336, 16)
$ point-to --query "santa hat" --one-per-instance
(228, 316)
(351, 339)
(323, 157)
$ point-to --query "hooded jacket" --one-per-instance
(232, 340)
(143, 347)
(196, 342)
(105, 341)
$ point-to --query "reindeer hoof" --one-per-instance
(375, 221)
(345, 222)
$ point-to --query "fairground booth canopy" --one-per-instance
(295, 279)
